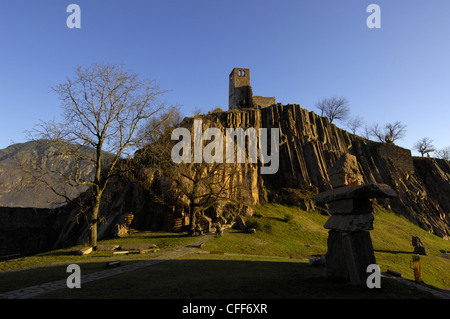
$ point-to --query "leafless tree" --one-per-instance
(197, 186)
(157, 125)
(391, 132)
(444, 153)
(367, 132)
(334, 108)
(203, 185)
(424, 146)
(395, 130)
(376, 131)
(355, 123)
(103, 108)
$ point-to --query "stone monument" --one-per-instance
(350, 248)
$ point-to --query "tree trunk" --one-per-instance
(192, 219)
(94, 221)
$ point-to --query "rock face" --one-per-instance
(16, 186)
(309, 147)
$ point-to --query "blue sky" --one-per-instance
(298, 51)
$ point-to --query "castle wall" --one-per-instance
(241, 93)
(262, 101)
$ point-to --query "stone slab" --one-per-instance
(85, 251)
(350, 223)
(137, 246)
(344, 179)
(348, 256)
(107, 247)
(350, 206)
(357, 192)
(345, 172)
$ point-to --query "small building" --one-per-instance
(241, 93)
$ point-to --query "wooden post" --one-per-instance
(417, 269)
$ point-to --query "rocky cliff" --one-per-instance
(309, 146)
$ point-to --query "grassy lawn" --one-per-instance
(52, 265)
(219, 277)
(271, 263)
(164, 240)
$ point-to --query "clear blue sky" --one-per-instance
(298, 51)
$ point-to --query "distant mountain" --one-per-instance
(16, 186)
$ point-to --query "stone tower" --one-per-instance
(240, 95)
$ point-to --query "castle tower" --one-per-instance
(240, 92)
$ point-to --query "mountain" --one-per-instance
(17, 188)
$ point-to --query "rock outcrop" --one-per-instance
(309, 146)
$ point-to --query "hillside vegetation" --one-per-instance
(289, 231)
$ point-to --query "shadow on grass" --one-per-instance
(231, 279)
(394, 251)
(168, 236)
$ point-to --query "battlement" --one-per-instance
(241, 92)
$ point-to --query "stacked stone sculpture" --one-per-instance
(350, 248)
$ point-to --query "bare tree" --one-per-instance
(157, 125)
(355, 123)
(391, 132)
(103, 108)
(444, 153)
(203, 185)
(367, 132)
(376, 131)
(334, 108)
(395, 130)
(424, 146)
(197, 186)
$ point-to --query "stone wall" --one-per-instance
(262, 102)
(27, 231)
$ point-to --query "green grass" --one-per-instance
(280, 231)
(219, 277)
(164, 240)
(302, 235)
(271, 263)
(391, 239)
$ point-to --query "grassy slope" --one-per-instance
(289, 231)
